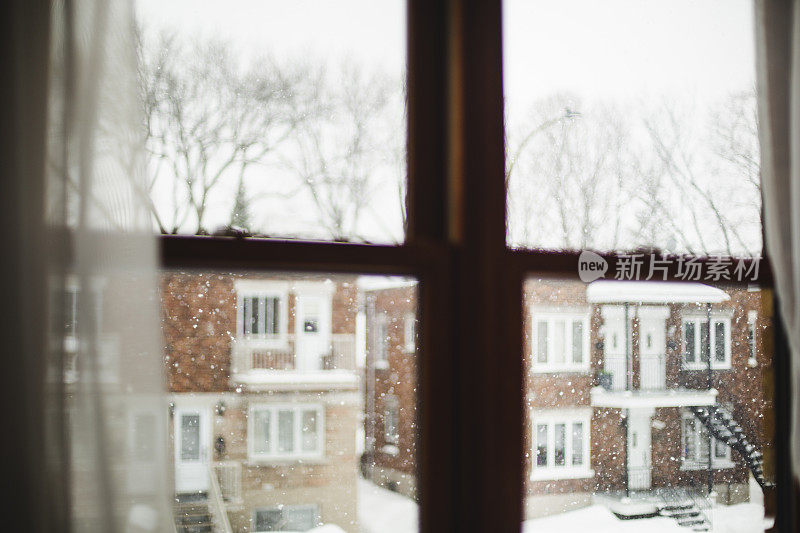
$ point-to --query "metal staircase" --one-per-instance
(720, 423)
(690, 508)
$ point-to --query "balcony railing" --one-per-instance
(286, 355)
(652, 372)
(229, 476)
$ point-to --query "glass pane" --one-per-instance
(541, 445)
(689, 341)
(719, 341)
(631, 125)
(190, 437)
(559, 444)
(606, 451)
(285, 431)
(275, 119)
(261, 429)
(577, 342)
(309, 431)
(301, 429)
(577, 444)
(558, 341)
(541, 340)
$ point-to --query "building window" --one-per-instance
(391, 420)
(286, 518)
(752, 338)
(695, 446)
(381, 340)
(699, 341)
(260, 315)
(285, 431)
(262, 310)
(409, 332)
(561, 444)
(560, 342)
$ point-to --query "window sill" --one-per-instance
(564, 370)
(551, 474)
(701, 367)
(715, 465)
(261, 462)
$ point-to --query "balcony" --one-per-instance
(285, 364)
(653, 389)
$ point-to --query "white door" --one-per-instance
(614, 352)
(652, 348)
(191, 449)
(639, 453)
(313, 330)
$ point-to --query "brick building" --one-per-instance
(265, 399)
(390, 384)
(621, 403)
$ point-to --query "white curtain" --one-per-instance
(79, 275)
(778, 71)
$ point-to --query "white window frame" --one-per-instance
(569, 317)
(246, 288)
(698, 462)
(297, 453)
(698, 320)
(552, 417)
(409, 332)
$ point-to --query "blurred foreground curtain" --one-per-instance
(85, 433)
(778, 71)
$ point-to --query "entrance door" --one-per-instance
(652, 347)
(191, 450)
(313, 330)
(614, 351)
(639, 453)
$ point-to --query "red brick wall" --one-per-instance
(398, 379)
(199, 323)
(198, 320)
(742, 386)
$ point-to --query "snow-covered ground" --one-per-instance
(741, 518)
(383, 511)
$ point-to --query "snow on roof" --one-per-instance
(607, 291)
(374, 283)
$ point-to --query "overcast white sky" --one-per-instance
(700, 49)
(591, 47)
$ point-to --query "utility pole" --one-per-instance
(628, 386)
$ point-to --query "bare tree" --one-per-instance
(711, 195)
(566, 176)
(339, 155)
(208, 118)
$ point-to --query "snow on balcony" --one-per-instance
(653, 292)
(625, 399)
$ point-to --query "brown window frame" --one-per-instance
(470, 368)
